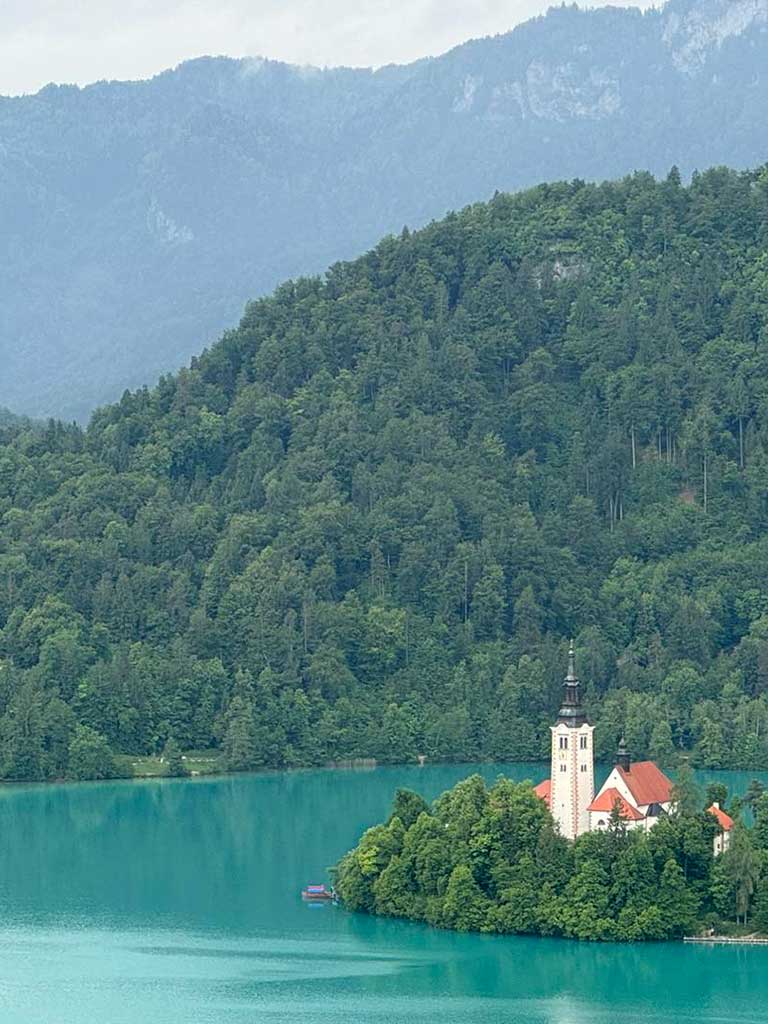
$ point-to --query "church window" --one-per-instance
(583, 742)
(583, 767)
(563, 742)
(563, 768)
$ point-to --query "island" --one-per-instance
(556, 860)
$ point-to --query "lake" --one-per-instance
(177, 902)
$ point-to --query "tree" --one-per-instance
(686, 797)
(239, 744)
(407, 806)
(742, 865)
(174, 761)
(517, 911)
(464, 907)
(489, 603)
(661, 747)
(585, 910)
(716, 793)
(677, 902)
(761, 906)
(89, 755)
(753, 795)
(760, 831)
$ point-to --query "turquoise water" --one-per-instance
(179, 902)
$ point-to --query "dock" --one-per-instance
(727, 940)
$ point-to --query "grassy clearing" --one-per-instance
(145, 766)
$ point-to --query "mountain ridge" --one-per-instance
(140, 217)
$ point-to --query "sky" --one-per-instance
(82, 41)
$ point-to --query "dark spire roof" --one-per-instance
(622, 755)
(571, 711)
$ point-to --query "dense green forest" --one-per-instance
(365, 522)
(491, 860)
(9, 419)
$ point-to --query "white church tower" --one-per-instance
(573, 764)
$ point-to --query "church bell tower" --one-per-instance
(573, 763)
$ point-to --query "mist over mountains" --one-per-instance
(136, 219)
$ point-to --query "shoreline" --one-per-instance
(209, 770)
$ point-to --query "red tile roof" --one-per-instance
(647, 783)
(606, 800)
(544, 791)
(725, 820)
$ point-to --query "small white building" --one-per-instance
(725, 821)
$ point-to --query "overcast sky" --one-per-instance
(82, 41)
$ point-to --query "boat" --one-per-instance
(317, 893)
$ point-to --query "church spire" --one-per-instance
(622, 755)
(571, 710)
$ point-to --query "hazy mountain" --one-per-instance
(137, 218)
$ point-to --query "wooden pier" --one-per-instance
(727, 940)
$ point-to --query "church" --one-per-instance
(640, 789)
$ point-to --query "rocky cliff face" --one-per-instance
(694, 31)
(137, 218)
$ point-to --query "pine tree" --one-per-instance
(465, 908)
(686, 796)
(172, 757)
(760, 831)
(742, 864)
(238, 745)
(677, 901)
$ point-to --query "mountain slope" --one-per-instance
(139, 217)
(365, 522)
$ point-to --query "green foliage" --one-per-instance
(173, 759)
(464, 907)
(716, 793)
(363, 523)
(738, 874)
(89, 755)
(686, 795)
(407, 806)
(490, 860)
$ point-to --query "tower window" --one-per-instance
(563, 742)
(583, 767)
(563, 768)
(583, 742)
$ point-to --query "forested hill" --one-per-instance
(365, 522)
(137, 218)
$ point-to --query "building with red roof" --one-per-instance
(639, 790)
(642, 787)
(611, 798)
(544, 791)
(725, 821)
